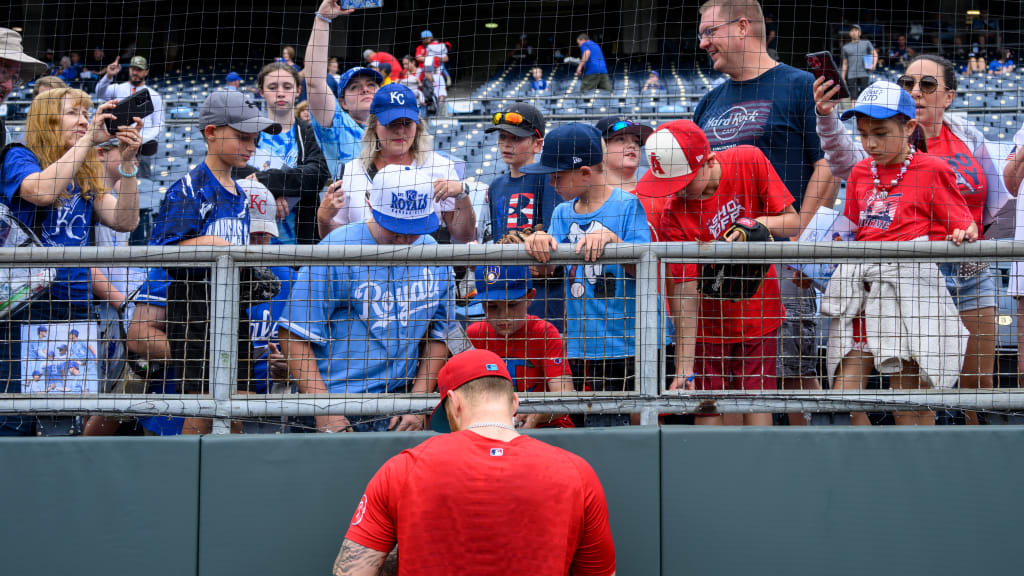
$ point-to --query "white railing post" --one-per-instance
(223, 339)
(648, 310)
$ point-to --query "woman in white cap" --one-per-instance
(931, 81)
(395, 134)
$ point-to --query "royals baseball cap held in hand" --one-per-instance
(568, 147)
(230, 108)
(675, 152)
(262, 207)
(402, 200)
(393, 102)
(460, 369)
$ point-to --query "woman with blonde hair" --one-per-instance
(47, 83)
(395, 134)
(54, 185)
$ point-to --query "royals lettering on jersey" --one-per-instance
(197, 205)
(263, 322)
(365, 324)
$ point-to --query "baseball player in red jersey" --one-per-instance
(531, 347)
(482, 500)
(720, 344)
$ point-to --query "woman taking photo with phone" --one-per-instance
(931, 81)
(54, 185)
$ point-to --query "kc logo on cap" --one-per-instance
(397, 98)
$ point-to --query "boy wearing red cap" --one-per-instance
(530, 346)
(720, 344)
(507, 492)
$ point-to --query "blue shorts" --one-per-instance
(972, 292)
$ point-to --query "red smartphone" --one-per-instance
(823, 65)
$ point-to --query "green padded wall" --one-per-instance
(99, 506)
(281, 505)
(841, 501)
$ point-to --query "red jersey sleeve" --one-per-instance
(555, 365)
(373, 524)
(595, 555)
(772, 195)
(949, 209)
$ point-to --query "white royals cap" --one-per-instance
(882, 100)
(262, 207)
(402, 200)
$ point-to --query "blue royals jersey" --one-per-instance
(197, 205)
(600, 300)
(365, 323)
(66, 224)
(263, 328)
(341, 142)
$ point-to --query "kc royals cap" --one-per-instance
(568, 147)
(502, 282)
(139, 62)
(73, 332)
(230, 108)
(393, 102)
(357, 71)
(883, 100)
(402, 200)
(262, 207)
(675, 151)
(460, 369)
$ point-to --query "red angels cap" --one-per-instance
(675, 151)
(458, 370)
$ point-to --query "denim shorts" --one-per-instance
(973, 292)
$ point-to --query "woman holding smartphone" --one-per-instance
(54, 185)
(931, 81)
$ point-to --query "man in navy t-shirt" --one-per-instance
(769, 105)
(592, 66)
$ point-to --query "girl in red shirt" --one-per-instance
(898, 193)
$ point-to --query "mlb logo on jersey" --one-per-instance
(497, 451)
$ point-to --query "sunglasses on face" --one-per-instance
(514, 119)
(929, 84)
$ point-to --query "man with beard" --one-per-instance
(138, 69)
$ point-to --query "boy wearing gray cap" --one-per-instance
(208, 208)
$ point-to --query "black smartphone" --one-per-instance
(138, 105)
(823, 65)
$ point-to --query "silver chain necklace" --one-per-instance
(491, 425)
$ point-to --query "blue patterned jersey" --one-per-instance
(197, 205)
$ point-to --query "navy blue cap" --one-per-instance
(502, 283)
(233, 77)
(568, 147)
(392, 102)
(357, 71)
(73, 332)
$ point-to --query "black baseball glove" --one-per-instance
(257, 285)
(736, 281)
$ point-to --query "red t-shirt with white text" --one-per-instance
(534, 355)
(462, 503)
(970, 177)
(925, 203)
(749, 187)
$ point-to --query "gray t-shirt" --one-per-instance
(857, 55)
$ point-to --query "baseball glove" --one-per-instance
(257, 284)
(736, 281)
(516, 236)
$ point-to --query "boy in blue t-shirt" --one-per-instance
(600, 298)
(520, 201)
(373, 329)
(208, 208)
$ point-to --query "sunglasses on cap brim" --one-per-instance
(929, 84)
(514, 119)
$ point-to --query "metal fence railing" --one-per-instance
(650, 397)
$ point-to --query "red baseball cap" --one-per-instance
(675, 151)
(458, 370)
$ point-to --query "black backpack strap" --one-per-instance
(35, 225)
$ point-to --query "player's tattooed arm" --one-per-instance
(358, 560)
